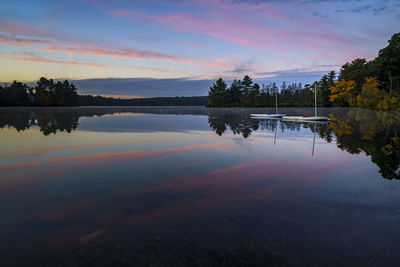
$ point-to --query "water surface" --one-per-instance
(194, 186)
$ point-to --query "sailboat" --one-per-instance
(307, 118)
(276, 115)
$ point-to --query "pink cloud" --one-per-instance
(34, 58)
(282, 35)
(127, 53)
(226, 29)
(245, 7)
(31, 57)
(40, 42)
(130, 53)
(16, 29)
(24, 42)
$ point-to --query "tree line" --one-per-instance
(45, 93)
(371, 84)
(50, 93)
(89, 100)
(246, 93)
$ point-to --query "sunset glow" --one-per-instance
(196, 40)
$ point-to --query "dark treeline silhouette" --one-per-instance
(246, 93)
(88, 100)
(366, 84)
(45, 93)
(50, 93)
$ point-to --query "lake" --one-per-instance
(190, 186)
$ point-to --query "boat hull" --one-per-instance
(267, 115)
(302, 118)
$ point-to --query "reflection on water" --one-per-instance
(195, 186)
(374, 133)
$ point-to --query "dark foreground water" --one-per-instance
(197, 187)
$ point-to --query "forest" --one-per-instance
(45, 93)
(366, 84)
(50, 93)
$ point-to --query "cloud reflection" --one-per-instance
(253, 180)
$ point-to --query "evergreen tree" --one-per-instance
(217, 93)
(59, 96)
(387, 65)
(70, 94)
(324, 90)
(236, 92)
(2, 96)
(16, 94)
(355, 71)
(247, 86)
(274, 90)
(44, 95)
(255, 95)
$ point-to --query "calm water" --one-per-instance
(161, 186)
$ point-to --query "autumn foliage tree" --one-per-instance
(370, 95)
(343, 93)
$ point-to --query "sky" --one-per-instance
(179, 47)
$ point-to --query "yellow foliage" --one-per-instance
(370, 94)
(339, 127)
(388, 103)
(343, 92)
(368, 134)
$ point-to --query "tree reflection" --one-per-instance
(238, 122)
(53, 120)
(375, 133)
(49, 121)
(241, 123)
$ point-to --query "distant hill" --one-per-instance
(89, 100)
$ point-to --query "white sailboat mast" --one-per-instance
(315, 92)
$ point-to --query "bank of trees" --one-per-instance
(45, 93)
(371, 84)
(89, 100)
(50, 93)
(246, 93)
(360, 83)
